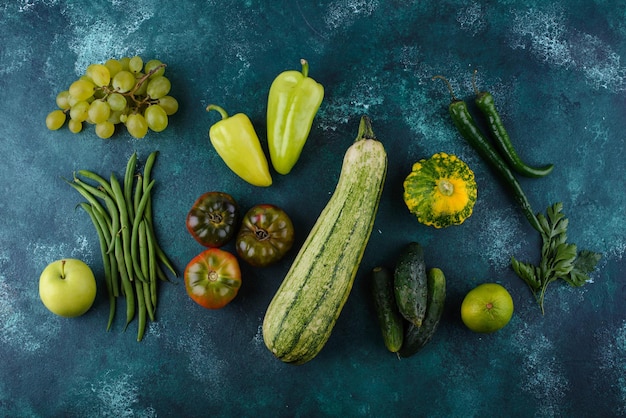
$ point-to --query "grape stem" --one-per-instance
(138, 103)
(141, 81)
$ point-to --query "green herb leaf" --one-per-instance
(585, 264)
(559, 259)
(564, 258)
(527, 272)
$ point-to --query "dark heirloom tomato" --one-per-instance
(213, 219)
(213, 278)
(265, 236)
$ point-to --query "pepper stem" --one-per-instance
(365, 129)
(445, 80)
(219, 109)
(305, 67)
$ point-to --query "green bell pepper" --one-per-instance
(293, 101)
(236, 141)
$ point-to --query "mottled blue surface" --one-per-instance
(558, 77)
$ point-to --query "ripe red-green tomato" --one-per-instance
(213, 219)
(213, 278)
(265, 236)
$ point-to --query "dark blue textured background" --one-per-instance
(557, 76)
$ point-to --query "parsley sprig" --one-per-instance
(559, 259)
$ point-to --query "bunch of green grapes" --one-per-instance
(119, 91)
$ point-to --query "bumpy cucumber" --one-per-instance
(417, 337)
(389, 318)
(410, 284)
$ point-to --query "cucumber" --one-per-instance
(410, 283)
(417, 337)
(305, 308)
(389, 318)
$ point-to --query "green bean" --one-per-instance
(97, 178)
(147, 169)
(147, 172)
(160, 255)
(152, 266)
(105, 260)
(125, 224)
(90, 198)
(115, 274)
(91, 189)
(109, 234)
(138, 192)
(133, 239)
(115, 220)
(141, 306)
(134, 243)
(145, 267)
(112, 216)
(129, 174)
(140, 211)
(148, 301)
(127, 286)
(143, 249)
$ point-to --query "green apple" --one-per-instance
(67, 287)
(487, 308)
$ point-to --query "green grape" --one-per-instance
(156, 118)
(99, 111)
(151, 65)
(124, 62)
(100, 74)
(63, 99)
(136, 125)
(80, 111)
(55, 119)
(72, 100)
(105, 129)
(114, 66)
(116, 116)
(75, 126)
(141, 89)
(82, 89)
(169, 104)
(123, 81)
(85, 77)
(159, 87)
(116, 101)
(135, 64)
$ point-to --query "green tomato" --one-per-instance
(213, 278)
(213, 219)
(265, 236)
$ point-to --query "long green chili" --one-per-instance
(467, 127)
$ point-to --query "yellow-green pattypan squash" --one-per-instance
(440, 191)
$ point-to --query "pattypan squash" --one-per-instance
(440, 191)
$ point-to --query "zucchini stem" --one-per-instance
(365, 129)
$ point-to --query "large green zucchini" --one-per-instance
(303, 312)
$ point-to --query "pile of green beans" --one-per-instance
(133, 261)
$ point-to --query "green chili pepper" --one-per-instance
(468, 129)
(293, 101)
(486, 104)
(237, 143)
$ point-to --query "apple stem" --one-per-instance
(489, 305)
(63, 269)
